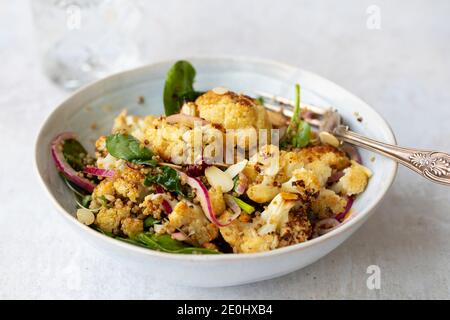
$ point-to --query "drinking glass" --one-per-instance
(82, 40)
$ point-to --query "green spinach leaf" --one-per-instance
(149, 222)
(179, 87)
(128, 148)
(165, 243)
(74, 153)
(168, 178)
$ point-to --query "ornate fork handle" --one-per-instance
(433, 165)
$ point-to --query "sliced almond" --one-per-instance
(220, 90)
(85, 216)
(328, 138)
(217, 177)
(236, 168)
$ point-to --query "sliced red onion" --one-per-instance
(352, 152)
(205, 201)
(348, 206)
(63, 166)
(165, 204)
(335, 177)
(326, 225)
(185, 119)
(107, 173)
(180, 236)
(232, 204)
(242, 184)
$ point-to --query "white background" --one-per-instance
(402, 70)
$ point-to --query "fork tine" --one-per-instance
(288, 113)
(286, 102)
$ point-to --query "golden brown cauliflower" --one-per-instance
(217, 201)
(303, 182)
(129, 183)
(328, 204)
(109, 219)
(354, 180)
(298, 229)
(232, 111)
(132, 226)
(190, 219)
(243, 237)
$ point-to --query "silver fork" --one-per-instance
(433, 165)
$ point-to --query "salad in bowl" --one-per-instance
(217, 174)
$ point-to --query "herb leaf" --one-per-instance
(128, 148)
(298, 133)
(168, 178)
(165, 243)
(149, 222)
(74, 154)
(244, 205)
(178, 86)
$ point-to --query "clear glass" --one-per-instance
(83, 40)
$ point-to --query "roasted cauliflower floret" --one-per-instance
(326, 154)
(153, 204)
(132, 226)
(109, 219)
(354, 181)
(262, 169)
(276, 214)
(217, 201)
(243, 237)
(298, 229)
(328, 204)
(263, 192)
(232, 111)
(321, 170)
(129, 184)
(190, 219)
(303, 182)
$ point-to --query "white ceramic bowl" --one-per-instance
(100, 102)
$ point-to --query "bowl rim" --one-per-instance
(363, 214)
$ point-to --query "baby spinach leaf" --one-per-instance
(149, 222)
(168, 178)
(178, 86)
(86, 200)
(128, 148)
(165, 243)
(74, 153)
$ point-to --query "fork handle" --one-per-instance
(433, 165)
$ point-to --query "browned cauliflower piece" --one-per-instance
(217, 201)
(190, 219)
(276, 215)
(153, 204)
(354, 181)
(328, 204)
(129, 184)
(109, 219)
(300, 158)
(303, 182)
(298, 229)
(232, 111)
(243, 237)
(132, 226)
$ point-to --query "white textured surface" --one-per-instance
(402, 70)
